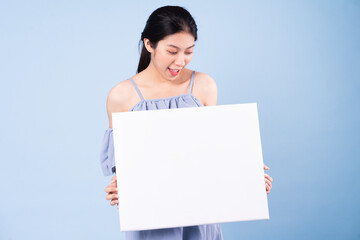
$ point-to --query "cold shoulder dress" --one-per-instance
(201, 232)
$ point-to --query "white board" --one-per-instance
(189, 166)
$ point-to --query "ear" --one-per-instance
(147, 45)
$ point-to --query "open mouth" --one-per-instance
(174, 72)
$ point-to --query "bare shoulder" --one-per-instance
(206, 89)
(120, 98)
(117, 97)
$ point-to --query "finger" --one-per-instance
(110, 189)
(113, 179)
(113, 184)
(268, 177)
(113, 202)
(112, 196)
(268, 187)
(110, 186)
(266, 167)
(268, 183)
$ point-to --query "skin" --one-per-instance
(174, 51)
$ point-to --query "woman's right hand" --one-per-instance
(112, 192)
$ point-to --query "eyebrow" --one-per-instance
(170, 45)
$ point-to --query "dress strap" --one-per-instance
(192, 81)
(136, 88)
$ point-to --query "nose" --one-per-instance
(180, 60)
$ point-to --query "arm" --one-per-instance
(115, 103)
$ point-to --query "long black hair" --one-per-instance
(162, 22)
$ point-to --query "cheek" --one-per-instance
(188, 58)
(165, 58)
(160, 56)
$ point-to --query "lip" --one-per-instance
(176, 73)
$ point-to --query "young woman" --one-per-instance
(163, 82)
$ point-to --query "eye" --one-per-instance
(172, 53)
(188, 53)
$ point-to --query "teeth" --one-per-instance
(174, 70)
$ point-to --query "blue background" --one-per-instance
(299, 60)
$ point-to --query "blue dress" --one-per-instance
(201, 232)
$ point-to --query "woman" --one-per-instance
(163, 82)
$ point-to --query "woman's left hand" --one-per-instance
(268, 180)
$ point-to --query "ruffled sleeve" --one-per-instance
(107, 159)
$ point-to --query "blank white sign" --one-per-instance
(189, 166)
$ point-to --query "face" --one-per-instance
(172, 54)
